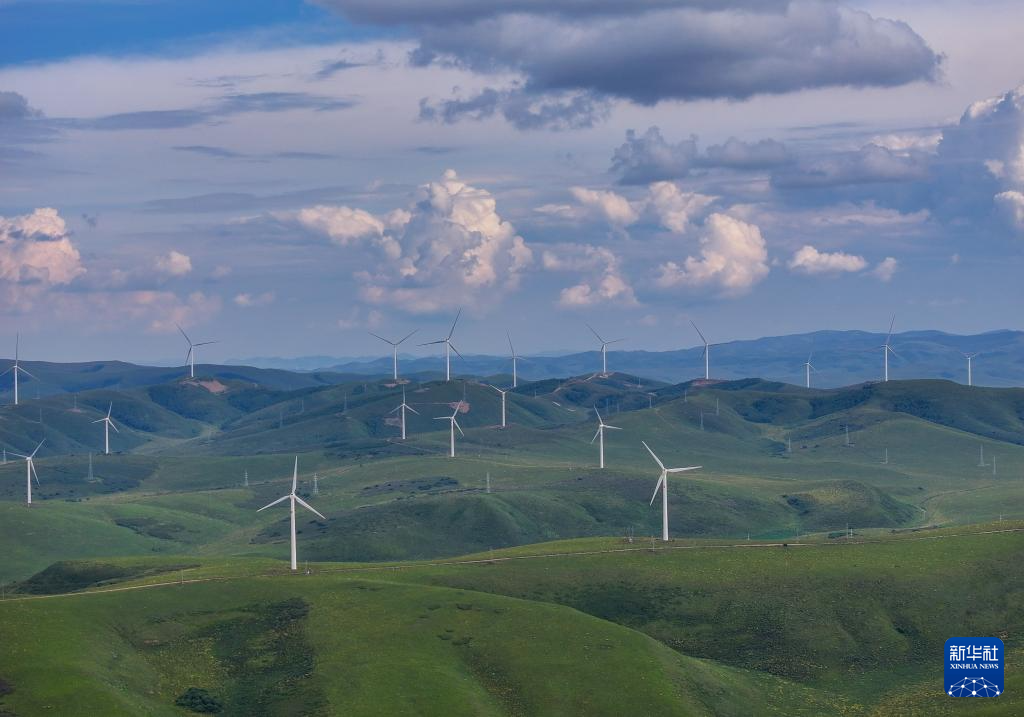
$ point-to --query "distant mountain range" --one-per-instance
(839, 358)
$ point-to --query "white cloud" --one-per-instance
(36, 249)
(612, 207)
(733, 258)
(246, 300)
(885, 269)
(449, 248)
(674, 208)
(603, 282)
(1012, 203)
(809, 260)
(174, 263)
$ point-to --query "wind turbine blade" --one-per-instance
(206, 343)
(596, 334)
(683, 470)
(27, 372)
(113, 426)
(442, 418)
(99, 420)
(510, 346)
(891, 324)
(661, 479)
(452, 332)
(184, 334)
(271, 505)
(459, 427)
(431, 343)
(410, 408)
(407, 336)
(456, 351)
(656, 459)
(189, 354)
(599, 419)
(37, 448)
(596, 434)
(698, 332)
(381, 338)
(109, 409)
(295, 475)
(396, 408)
(19, 455)
(614, 428)
(7, 371)
(616, 341)
(307, 506)
(34, 474)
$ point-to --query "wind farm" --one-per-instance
(531, 359)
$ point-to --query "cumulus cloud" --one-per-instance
(602, 283)
(809, 260)
(36, 249)
(673, 207)
(450, 247)
(731, 50)
(733, 258)
(664, 203)
(174, 263)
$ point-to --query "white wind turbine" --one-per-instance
(599, 436)
(970, 375)
(707, 352)
(808, 367)
(448, 348)
(887, 349)
(401, 409)
(108, 423)
(455, 424)
(30, 471)
(293, 499)
(190, 357)
(502, 403)
(663, 486)
(394, 346)
(604, 349)
(15, 368)
(515, 360)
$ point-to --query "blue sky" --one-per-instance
(285, 176)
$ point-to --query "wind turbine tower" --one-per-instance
(292, 500)
(599, 436)
(502, 403)
(454, 425)
(663, 487)
(16, 368)
(604, 349)
(30, 471)
(401, 409)
(394, 347)
(108, 423)
(707, 352)
(970, 374)
(448, 348)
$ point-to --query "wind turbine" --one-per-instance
(515, 360)
(15, 368)
(455, 424)
(886, 348)
(599, 436)
(190, 357)
(604, 349)
(30, 471)
(663, 486)
(394, 346)
(707, 352)
(808, 367)
(108, 423)
(448, 348)
(293, 499)
(402, 408)
(970, 376)
(502, 403)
